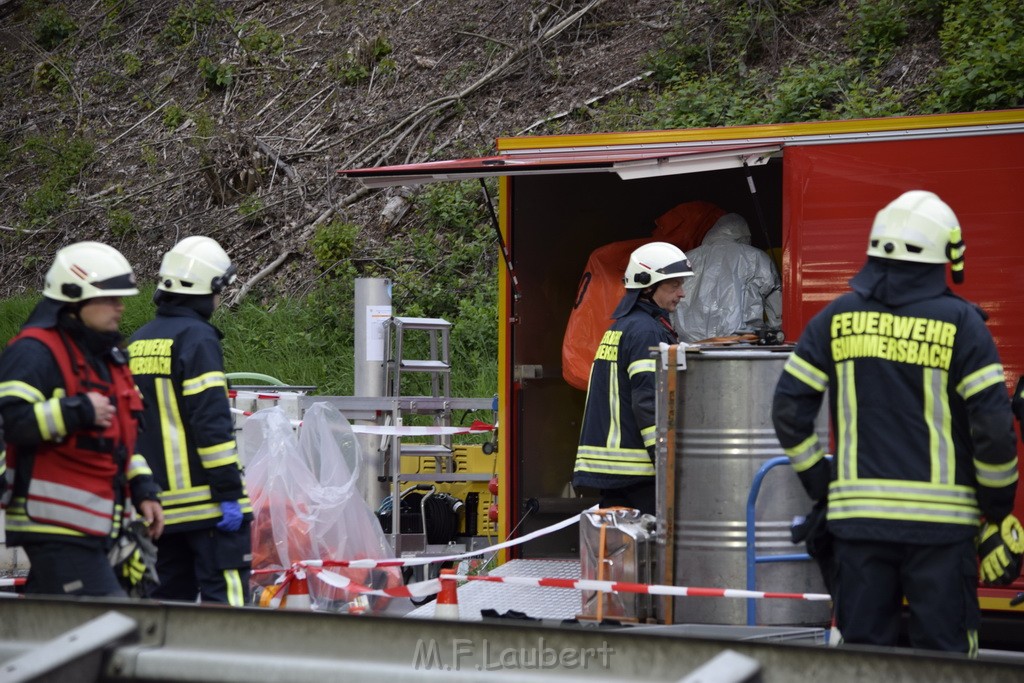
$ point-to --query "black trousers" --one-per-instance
(70, 569)
(640, 496)
(940, 583)
(207, 564)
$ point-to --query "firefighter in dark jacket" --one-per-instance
(923, 435)
(70, 409)
(616, 449)
(188, 433)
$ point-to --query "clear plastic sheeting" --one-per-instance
(307, 505)
(735, 288)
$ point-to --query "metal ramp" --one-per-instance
(535, 601)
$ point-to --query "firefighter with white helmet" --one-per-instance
(924, 436)
(188, 434)
(71, 410)
(616, 448)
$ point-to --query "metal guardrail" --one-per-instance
(172, 643)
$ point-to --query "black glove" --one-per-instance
(812, 530)
(1000, 549)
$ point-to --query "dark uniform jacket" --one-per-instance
(618, 432)
(187, 432)
(70, 481)
(921, 419)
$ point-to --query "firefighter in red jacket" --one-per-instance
(923, 435)
(188, 433)
(616, 448)
(70, 409)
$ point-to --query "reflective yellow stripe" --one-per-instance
(209, 380)
(192, 513)
(172, 429)
(614, 437)
(216, 456)
(805, 454)
(25, 392)
(620, 461)
(903, 500)
(642, 365)
(806, 373)
(50, 420)
(649, 435)
(980, 380)
(995, 476)
(939, 421)
(233, 584)
(846, 415)
(137, 465)
(193, 494)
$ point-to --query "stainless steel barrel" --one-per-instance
(720, 418)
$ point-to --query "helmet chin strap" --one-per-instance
(955, 253)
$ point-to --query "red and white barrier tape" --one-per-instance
(11, 582)
(422, 589)
(419, 561)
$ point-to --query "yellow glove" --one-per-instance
(1000, 549)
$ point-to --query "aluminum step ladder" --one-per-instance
(430, 335)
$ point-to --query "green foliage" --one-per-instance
(122, 222)
(174, 116)
(58, 161)
(53, 26)
(216, 75)
(257, 38)
(306, 341)
(983, 45)
(189, 19)
(131, 65)
(332, 245)
(810, 92)
(250, 207)
(205, 125)
(876, 28)
(360, 61)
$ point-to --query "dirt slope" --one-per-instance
(230, 118)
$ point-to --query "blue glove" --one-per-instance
(232, 516)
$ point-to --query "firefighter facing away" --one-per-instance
(70, 408)
(616, 448)
(188, 435)
(923, 434)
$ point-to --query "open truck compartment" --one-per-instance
(809, 192)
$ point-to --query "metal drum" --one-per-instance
(723, 435)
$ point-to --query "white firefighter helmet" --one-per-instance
(87, 270)
(655, 262)
(196, 265)
(918, 226)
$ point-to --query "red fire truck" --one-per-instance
(809, 192)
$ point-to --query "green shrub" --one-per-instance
(876, 28)
(53, 26)
(122, 222)
(188, 19)
(332, 245)
(983, 47)
(257, 38)
(174, 116)
(58, 160)
(216, 75)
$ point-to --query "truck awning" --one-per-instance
(629, 164)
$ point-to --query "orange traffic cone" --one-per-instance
(447, 604)
(298, 593)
